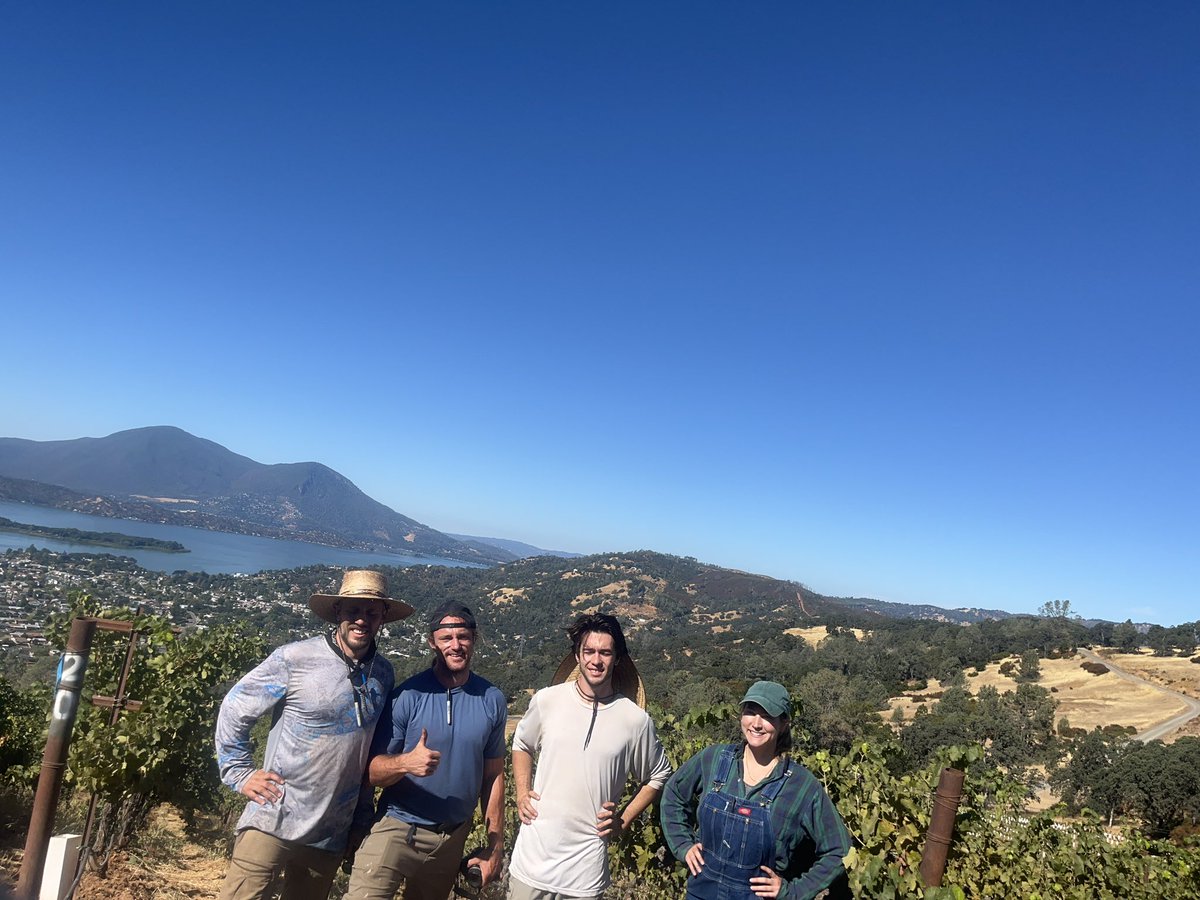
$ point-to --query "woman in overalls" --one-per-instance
(747, 820)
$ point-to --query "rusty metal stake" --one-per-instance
(117, 703)
(54, 760)
(941, 826)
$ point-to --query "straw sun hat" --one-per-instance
(360, 584)
(626, 679)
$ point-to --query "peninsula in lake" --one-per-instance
(94, 538)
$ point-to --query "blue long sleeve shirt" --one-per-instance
(317, 743)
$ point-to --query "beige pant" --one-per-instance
(427, 865)
(519, 890)
(259, 859)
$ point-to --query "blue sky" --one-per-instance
(897, 300)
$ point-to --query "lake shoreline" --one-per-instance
(214, 552)
(110, 539)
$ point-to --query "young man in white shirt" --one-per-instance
(589, 737)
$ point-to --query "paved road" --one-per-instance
(1162, 728)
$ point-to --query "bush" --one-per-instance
(16, 803)
(22, 733)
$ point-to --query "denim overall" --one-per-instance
(736, 835)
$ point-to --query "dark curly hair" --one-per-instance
(605, 624)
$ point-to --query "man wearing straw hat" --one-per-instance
(590, 734)
(325, 695)
(438, 750)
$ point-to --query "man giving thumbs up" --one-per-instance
(438, 746)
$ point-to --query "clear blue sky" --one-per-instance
(898, 300)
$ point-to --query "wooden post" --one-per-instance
(941, 826)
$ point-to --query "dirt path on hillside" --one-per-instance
(1159, 731)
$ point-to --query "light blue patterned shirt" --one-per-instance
(317, 744)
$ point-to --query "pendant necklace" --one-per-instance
(595, 709)
(355, 667)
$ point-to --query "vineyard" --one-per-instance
(998, 850)
(135, 763)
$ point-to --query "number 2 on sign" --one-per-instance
(70, 669)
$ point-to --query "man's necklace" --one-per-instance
(355, 667)
(595, 701)
(592, 698)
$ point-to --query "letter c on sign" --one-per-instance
(64, 704)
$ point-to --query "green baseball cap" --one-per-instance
(771, 696)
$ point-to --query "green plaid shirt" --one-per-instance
(810, 838)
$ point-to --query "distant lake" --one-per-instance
(215, 552)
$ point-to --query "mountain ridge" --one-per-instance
(519, 549)
(165, 474)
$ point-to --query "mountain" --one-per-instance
(519, 549)
(959, 615)
(164, 474)
(161, 461)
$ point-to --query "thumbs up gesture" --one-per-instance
(421, 760)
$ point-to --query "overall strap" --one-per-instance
(771, 791)
(724, 765)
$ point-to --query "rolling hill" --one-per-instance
(518, 549)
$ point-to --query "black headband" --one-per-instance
(452, 609)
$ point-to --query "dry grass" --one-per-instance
(502, 596)
(10, 867)
(166, 865)
(1043, 798)
(1178, 673)
(615, 590)
(818, 633)
(699, 616)
(1085, 700)
(1191, 729)
(634, 613)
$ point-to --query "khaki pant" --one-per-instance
(519, 890)
(260, 858)
(394, 852)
